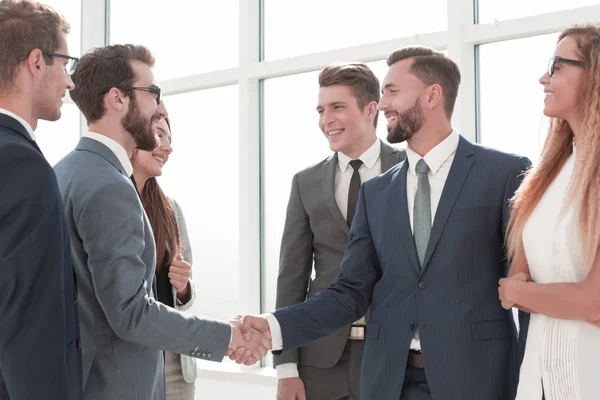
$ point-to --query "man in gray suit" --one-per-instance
(322, 203)
(425, 253)
(123, 327)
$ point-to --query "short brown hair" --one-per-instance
(26, 25)
(358, 77)
(102, 69)
(432, 67)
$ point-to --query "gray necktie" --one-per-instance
(422, 210)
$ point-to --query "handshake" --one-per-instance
(250, 339)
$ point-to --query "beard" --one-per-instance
(143, 130)
(408, 123)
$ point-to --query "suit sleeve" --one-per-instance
(514, 181)
(32, 310)
(346, 299)
(295, 261)
(112, 219)
(186, 252)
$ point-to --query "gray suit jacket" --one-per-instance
(123, 327)
(315, 230)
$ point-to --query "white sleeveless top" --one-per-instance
(563, 354)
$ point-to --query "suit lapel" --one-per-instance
(401, 217)
(463, 161)
(328, 186)
(390, 156)
(14, 125)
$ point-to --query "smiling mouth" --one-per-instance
(160, 160)
(391, 117)
(335, 132)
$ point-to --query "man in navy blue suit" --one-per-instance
(425, 253)
(39, 333)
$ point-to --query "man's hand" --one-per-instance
(291, 389)
(248, 345)
(179, 275)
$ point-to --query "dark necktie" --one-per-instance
(353, 191)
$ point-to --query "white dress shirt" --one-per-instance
(115, 147)
(370, 168)
(21, 120)
(439, 159)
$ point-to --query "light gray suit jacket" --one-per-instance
(315, 231)
(123, 327)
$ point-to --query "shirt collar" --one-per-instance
(369, 157)
(21, 120)
(436, 156)
(115, 147)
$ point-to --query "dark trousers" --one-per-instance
(415, 385)
(340, 382)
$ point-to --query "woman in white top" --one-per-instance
(554, 232)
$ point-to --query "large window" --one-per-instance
(511, 97)
(186, 37)
(71, 10)
(202, 175)
(294, 28)
(494, 10)
(56, 139)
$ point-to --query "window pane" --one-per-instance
(71, 10)
(511, 97)
(186, 37)
(494, 10)
(56, 139)
(289, 148)
(294, 28)
(202, 176)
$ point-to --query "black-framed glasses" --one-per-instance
(555, 60)
(69, 67)
(156, 91)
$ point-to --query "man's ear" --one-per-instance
(115, 100)
(36, 63)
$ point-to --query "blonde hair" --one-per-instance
(584, 191)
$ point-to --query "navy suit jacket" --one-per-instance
(39, 331)
(469, 342)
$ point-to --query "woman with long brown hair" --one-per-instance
(554, 232)
(173, 254)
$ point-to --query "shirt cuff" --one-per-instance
(276, 338)
(288, 370)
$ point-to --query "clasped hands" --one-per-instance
(250, 339)
(508, 286)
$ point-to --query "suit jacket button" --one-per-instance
(203, 355)
(78, 344)
(422, 285)
(209, 355)
(412, 325)
(75, 298)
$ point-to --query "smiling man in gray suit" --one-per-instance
(123, 327)
(320, 210)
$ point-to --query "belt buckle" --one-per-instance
(357, 332)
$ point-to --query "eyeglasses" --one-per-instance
(156, 91)
(69, 67)
(555, 60)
